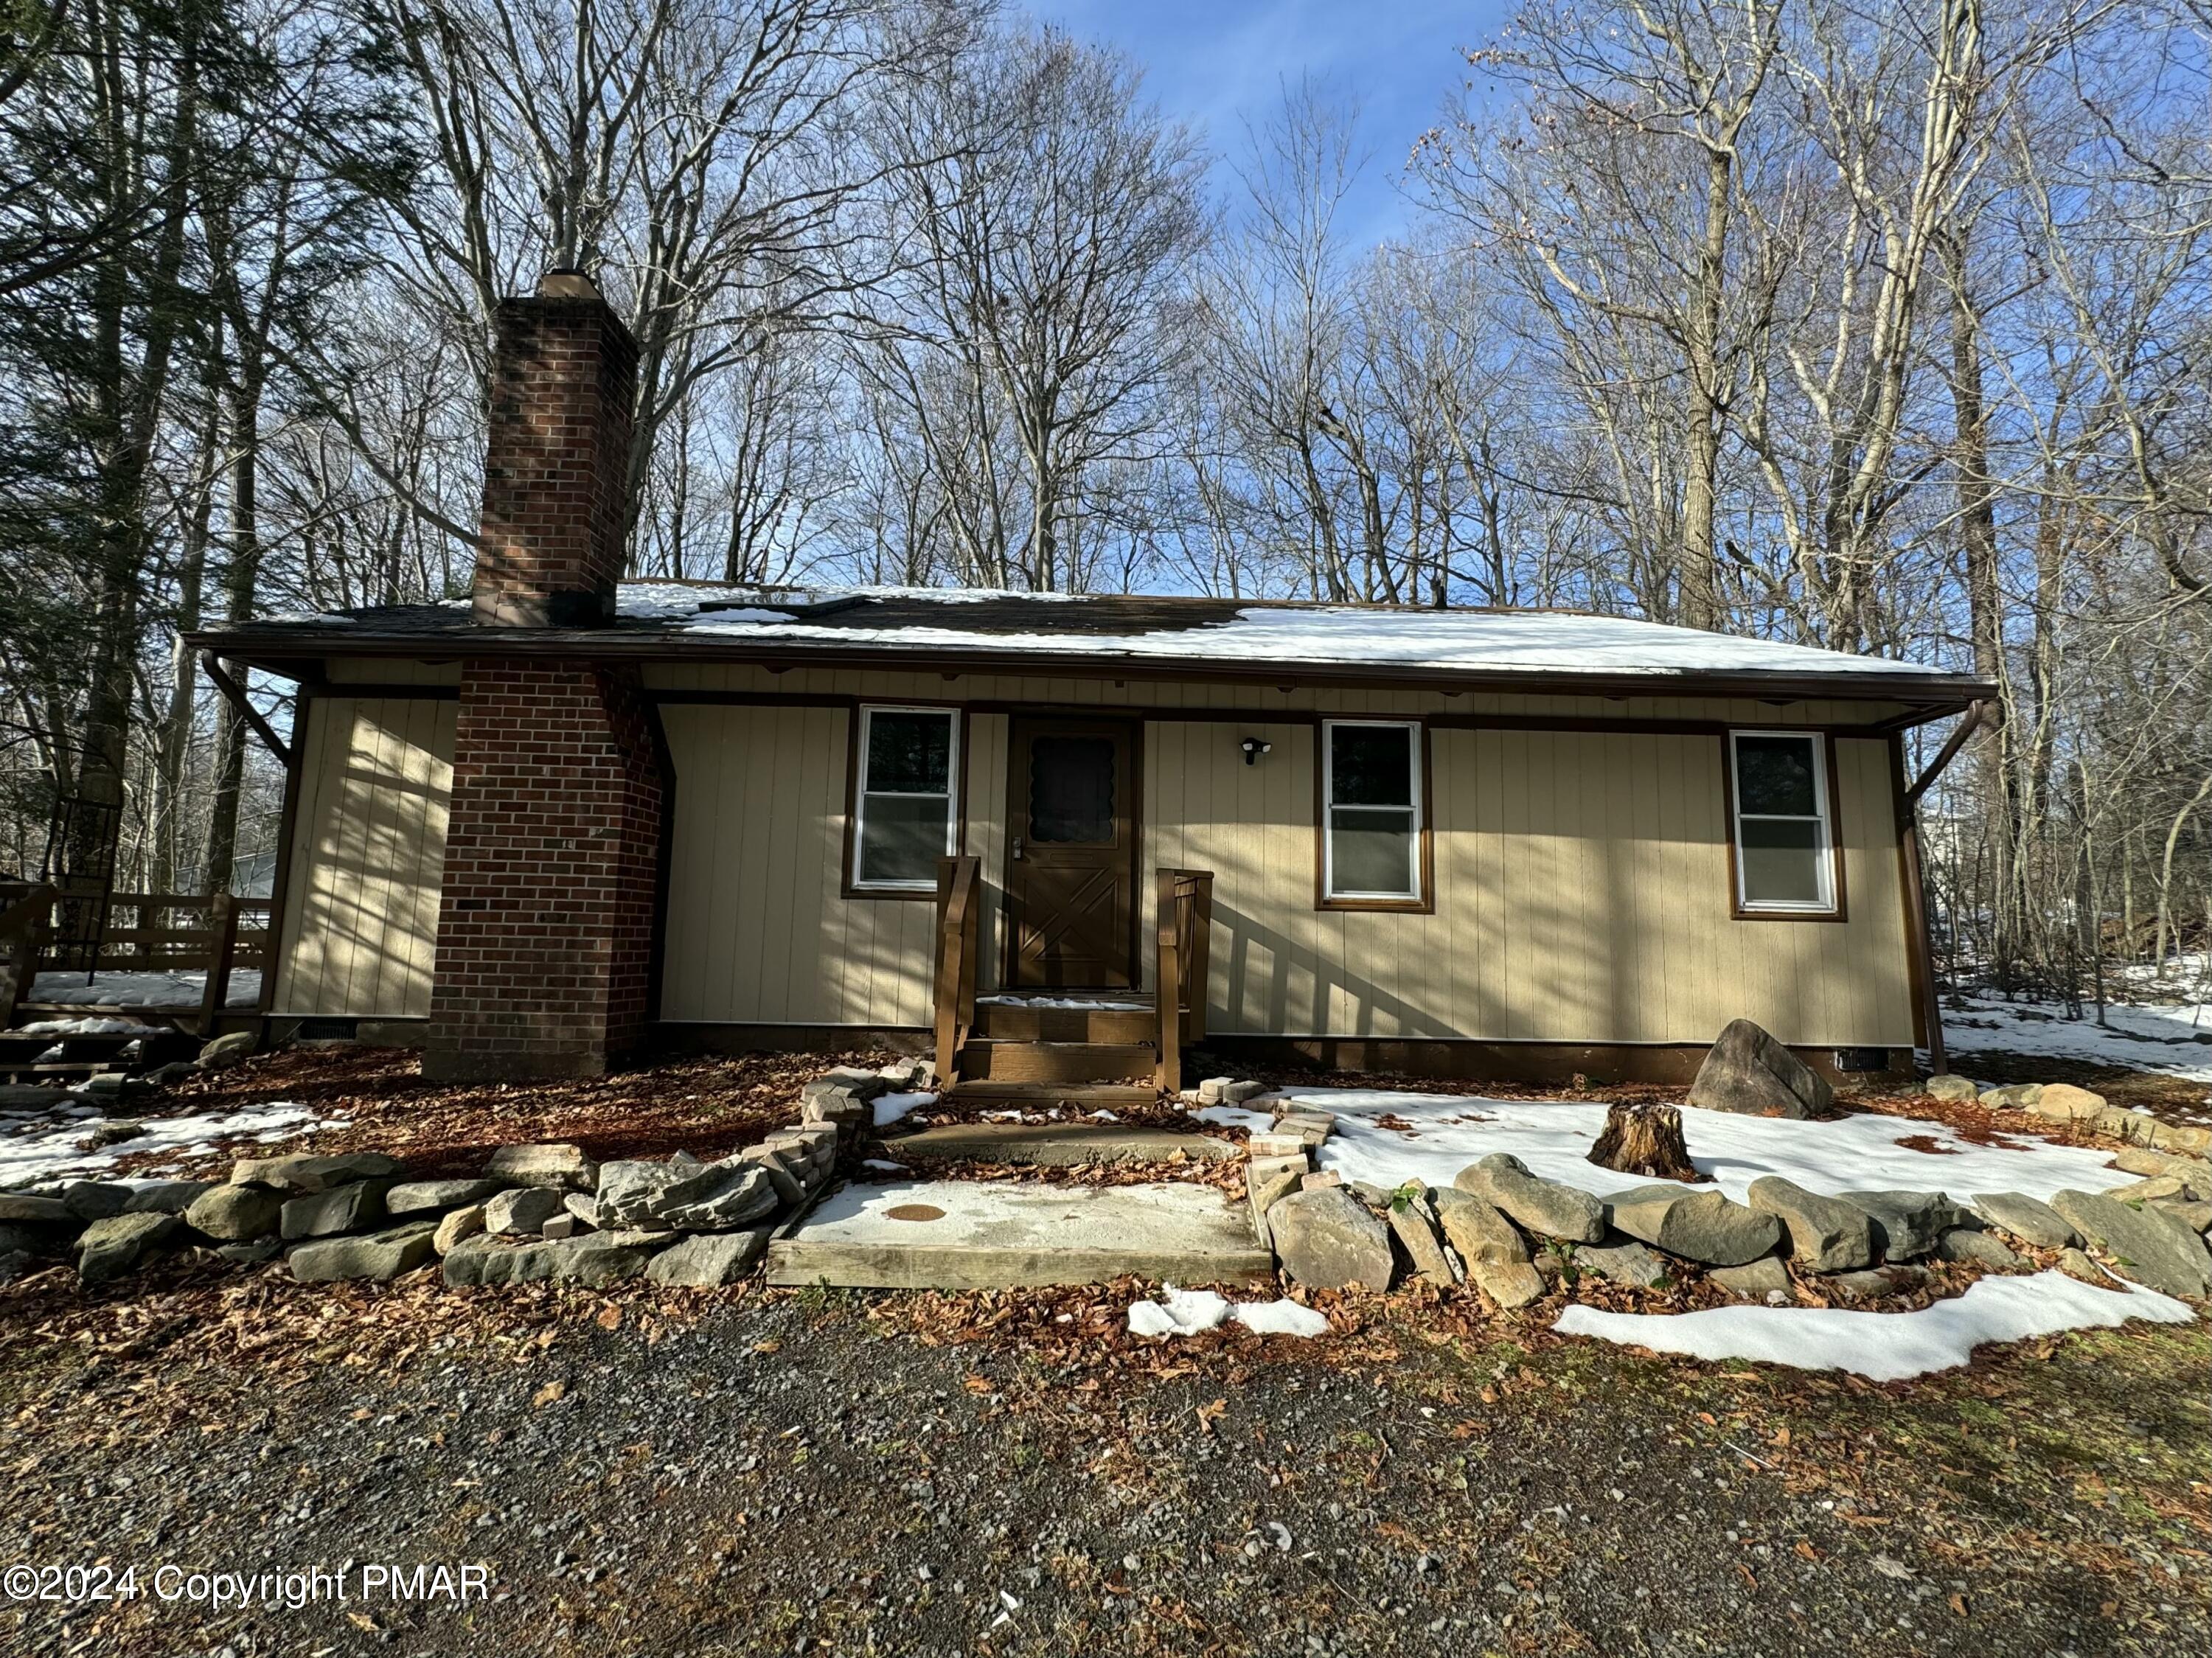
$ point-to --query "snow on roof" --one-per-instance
(1139, 629)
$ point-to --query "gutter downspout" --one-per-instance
(1978, 714)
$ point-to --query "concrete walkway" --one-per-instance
(997, 1234)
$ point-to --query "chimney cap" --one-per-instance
(567, 282)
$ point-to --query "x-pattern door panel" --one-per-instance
(1072, 874)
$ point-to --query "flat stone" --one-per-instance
(1948, 1087)
(1328, 1240)
(1704, 1225)
(350, 1208)
(2149, 1246)
(1907, 1223)
(1060, 1144)
(1542, 1205)
(2029, 1219)
(1977, 1249)
(228, 1049)
(1747, 1071)
(1877, 1283)
(417, 1196)
(785, 1172)
(2141, 1160)
(253, 1254)
(304, 1173)
(556, 1164)
(850, 1080)
(236, 1214)
(719, 1196)
(521, 1209)
(1414, 1224)
(1267, 1144)
(1825, 1234)
(94, 1199)
(1757, 1280)
(1511, 1285)
(378, 1258)
(115, 1244)
(2016, 1096)
(562, 1225)
(2193, 1214)
(1628, 1262)
(708, 1259)
(1262, 1193)
(2063, 1101)
(466, 1222)
(36, 1208)
(596, 1257)
(168, 1197)
(1478, 1229)
(2151, 1189)
(2181, 1137)
(990, 1234)
(584, 1207)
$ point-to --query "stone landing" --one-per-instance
(999, 1235)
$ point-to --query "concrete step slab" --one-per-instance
(1001, 1235)
(1056, 1144)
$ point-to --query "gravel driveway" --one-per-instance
(810, 1474)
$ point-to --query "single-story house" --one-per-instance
(1062, 837)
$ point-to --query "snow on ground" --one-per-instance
(889, 1108)
(1882, 1347)
(1187, 1312)
(1073, 1003)
(40, 1150)
(2174, 1039)
(141, 989)
(88, 1028)
(1856, 1153)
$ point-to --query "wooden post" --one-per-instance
(223, 951)
(1915, 914)
(22, 929)
(1167, 986)
(1201, 937)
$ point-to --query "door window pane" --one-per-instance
(1372, 820)
(906, 803)
(1071, 790)
(1785, 843)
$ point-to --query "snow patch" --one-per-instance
(1882, 1347)
(2173, 1039)
(1235, 1117)
(41, 1150)
(1187, 1312)
(1447, 1133)
(889, 1108)
(141, 989)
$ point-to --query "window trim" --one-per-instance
(1422, 901)
(856, 737)
(1834, 907)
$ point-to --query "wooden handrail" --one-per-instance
(1184, 914)
(23, 926)
(959, 920)
(234, 934)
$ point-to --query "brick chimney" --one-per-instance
(546, 917)
(563, 379)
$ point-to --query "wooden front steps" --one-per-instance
(1040, 1022)
(1042, 1052)
(89, 1054)
(988, 1059)
(1043, 1095)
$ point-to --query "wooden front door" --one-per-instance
(1071, 855)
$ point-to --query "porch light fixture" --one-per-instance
(1254, 748)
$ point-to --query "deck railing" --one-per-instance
(154, 932)
(1186, 925)
(959, 933)
(26, 912)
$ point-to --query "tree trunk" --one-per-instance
(1644, 1139)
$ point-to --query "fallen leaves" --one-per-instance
(551, 1393)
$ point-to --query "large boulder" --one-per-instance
(563, 1167)
(1907, 1224)
(304, 1173)
(96, 1200)
(236, 1214)
(685, 1194)
(1704, 1226)
(115, 1244)
(1326, 1239)
(380, 1257)
(521, 1210)
(708, 1259)
(352, 1207)
(2029, 1219)
(2064, 1103)
(1825, 1234)
(1749, 1072)
(2150, 1245)
(1543, 1205)
(424, 1196)
(228, 1049)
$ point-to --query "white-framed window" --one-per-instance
(1372, 810)
(906, 806)
(1785, 841)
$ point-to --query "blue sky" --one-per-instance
(1220, 64)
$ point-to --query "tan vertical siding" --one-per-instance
(360, 910)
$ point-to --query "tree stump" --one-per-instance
(1644, 1139)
